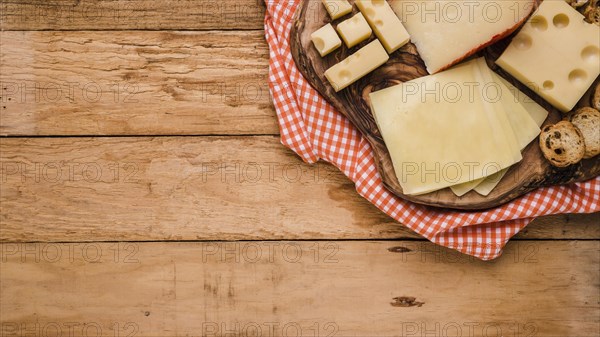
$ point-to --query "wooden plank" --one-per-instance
(135, 83)
(192, 188)
(131, 14)
(315, 288)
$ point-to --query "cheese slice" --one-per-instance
(489, 183)
(521, 122)
(556, 54)
(536, 113)
(446, 32)
(337, 8)
(462, 189)
(498, 91)
(440, 132)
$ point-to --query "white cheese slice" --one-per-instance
(489, 183)
(556, 54)
(462, 189)
(440, 132)
(446, 32)
(508, 113)
(537, 114)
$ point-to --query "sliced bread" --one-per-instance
(562, 144)
(587, 120)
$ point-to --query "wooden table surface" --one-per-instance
(144, 192)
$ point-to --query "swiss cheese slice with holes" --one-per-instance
(440, 131)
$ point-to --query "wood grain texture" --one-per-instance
(338, 288)
(131, 14)
(193, 188)
(532, 172)
(135, 83)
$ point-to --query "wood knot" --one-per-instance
(399, 249)
(405, 302)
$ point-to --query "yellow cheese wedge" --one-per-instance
(438, 133)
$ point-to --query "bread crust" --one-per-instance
(596, 98)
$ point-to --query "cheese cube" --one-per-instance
(354, 30)
(357, 65)
(556, 54)
(326, 39)
(337, 8)
(385, 23)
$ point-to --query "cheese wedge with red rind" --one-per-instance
(446, 32)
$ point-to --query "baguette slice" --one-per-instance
(587, 120)
(562, 144)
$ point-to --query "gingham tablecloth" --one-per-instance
(315, 130)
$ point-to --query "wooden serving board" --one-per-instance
(405, 64)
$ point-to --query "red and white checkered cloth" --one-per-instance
(312, 128)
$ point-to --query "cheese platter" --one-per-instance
(366, 81)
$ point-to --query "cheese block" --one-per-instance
(556, 54)
(446, 32)
(357, 65)
(440, 132)
(354, 30)
(385, 23)
(325, 39)
(337, 8)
